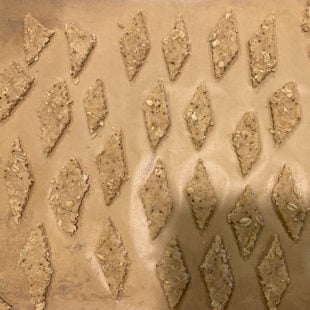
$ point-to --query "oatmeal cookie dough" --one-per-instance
(4, 305)
(306, 20)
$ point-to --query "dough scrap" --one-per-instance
(18, 180)
(285, 111)
(112, 167)
(35, 261)
(4, 305)
(135, 45)
(224, 43)
(157, 199)
(246, 142)
(36, 37)
(54, 115)
(263, 51)
(217, 274)
(306, 21)
(289, 203)
(176, 48)
(200, 195)
(156, 114)
(273, 275)
(173, 273)
(66, 194)
(199, 116)
(246, 221)
(14, 85)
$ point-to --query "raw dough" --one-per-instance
(200, 195)
(18, 180)
(306, 21)
(66, 195)
(135, 45)
(4, 305)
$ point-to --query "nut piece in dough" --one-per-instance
(66, 195)
(273, 275)
(14, 85)
(54, 115)
(263, 51)
(246, 142)
(224, 43)
(95, 107)
(199, 116)
(112, 167)
(306, 21)
(176, 48)
(80, 45)
(217, 274)
(113, 258)
(285, 111)
(34, 259)
(200, 195)
(135, 45)
(172, 273)
(156, 114)
(36, 37)
(289, 203)
(4, 305)
(18, 180)
(246, 221)
(157, 200)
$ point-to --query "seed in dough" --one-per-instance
(263, 51)
(285, 111)
(66, 194)
(135, 45)
(35, 261)
(306, 21)
(112, 167)
(36, 37)
(246, 221)
(54, 115)
(4, 305)
(80, 45)
(273, 275)
(289, 203)
(246, 142)
(199, 116)
(172, 273)
(217, 274)
(156, 114)
(95, 107)
(157, 199)
(224, 43)
(14, 85)
(113, 258)
(200, 196)
(176, 48)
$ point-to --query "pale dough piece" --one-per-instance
(14, 85)
(224, 43)
(135, 45)
(95, 107)
(80, 45)
(157, 199)
(4, 305)
(112, 167)
(246, 142)
(273, 275)
(217, 274)
(306, 21)
(54, 115)
(34, 259)
(66, 194)
(113, 258)
(176, 48)
(246, 221)
(289, 203)
(285, 111)
(200, 195)
(36, 37)
(172, 273)
(18, 180)
(156, 114)
(263, 51)
(199, 116)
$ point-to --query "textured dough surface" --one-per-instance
(4, 305)
(306, 20)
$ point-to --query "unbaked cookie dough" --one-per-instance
(306, 21)
(4, 305)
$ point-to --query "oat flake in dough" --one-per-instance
(306, 21)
